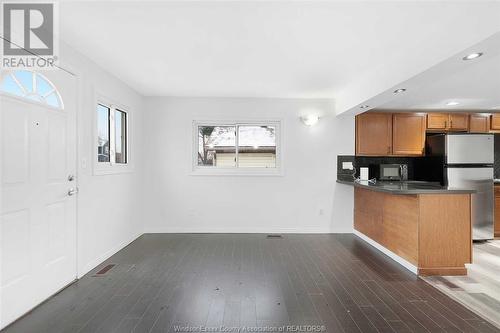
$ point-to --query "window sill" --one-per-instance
(101, 170)
(237, 172)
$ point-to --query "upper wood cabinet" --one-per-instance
(437, 121)
(448, 121)
(403, 134)
(374, 134)
(408, 134)
(479, 123)
(495, 121)
(384, 134)
(459, 122)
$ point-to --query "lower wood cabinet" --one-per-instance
(497, 210)
(431, 231)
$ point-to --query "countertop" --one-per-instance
(408, 187)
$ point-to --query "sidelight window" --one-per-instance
(112, 143)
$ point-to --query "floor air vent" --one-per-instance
(105, 270)
(274, 236)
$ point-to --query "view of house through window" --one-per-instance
(217, 146)
(241, 146)
(103, 113)
(111, 135)
(120, 136)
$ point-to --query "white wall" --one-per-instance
(176, 201)
(109, 206)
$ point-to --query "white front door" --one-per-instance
(38, 168)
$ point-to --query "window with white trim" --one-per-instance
(237, 147)
(112, 141)
(31, 86)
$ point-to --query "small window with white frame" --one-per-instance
(112, 136)
(237, 148)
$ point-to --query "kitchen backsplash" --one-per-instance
(419, 168)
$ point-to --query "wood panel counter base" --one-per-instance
(444, 271)
(431, 231)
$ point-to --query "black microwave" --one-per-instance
(397, 172)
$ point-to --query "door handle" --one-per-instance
(72, 191)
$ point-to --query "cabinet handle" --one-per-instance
(451, 123)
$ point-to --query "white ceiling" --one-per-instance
(474, 84)
(348, 50)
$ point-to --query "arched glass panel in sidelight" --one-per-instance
(32, 86)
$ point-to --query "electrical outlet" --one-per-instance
(347, 166)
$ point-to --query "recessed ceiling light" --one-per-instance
(400, 90)
(364, 106)
(472, 56)
(452, 103)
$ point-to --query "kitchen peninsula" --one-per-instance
(424, 226)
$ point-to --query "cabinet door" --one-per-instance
(437, 121)
(495, 121)
(374, 134)
(497, 210)
(459, 122)
(408, 134)
(479, 123)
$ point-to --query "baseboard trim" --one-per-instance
(403, 262)
(100, 259)
(244, 231)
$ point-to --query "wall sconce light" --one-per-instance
(310, 120)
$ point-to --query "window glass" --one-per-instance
(217, 146)
(103, 133)
(120, 137)
(10, 86)
(52, 100)
(256, 146)
(237, 146)
(25, 78)
(43, 87)
(32, 86)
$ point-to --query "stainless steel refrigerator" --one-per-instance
(468, 163)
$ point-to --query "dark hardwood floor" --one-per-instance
(164, 281)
